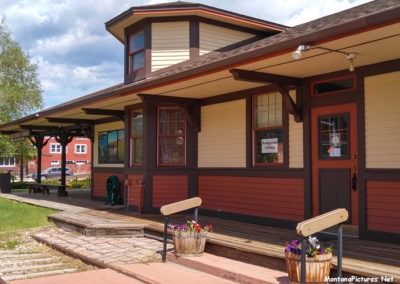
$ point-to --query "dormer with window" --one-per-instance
(158, 37)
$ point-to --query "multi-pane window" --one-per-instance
(7, 161)
(171, 136)
(136, 137)
(111, 146)
(55, 148)
(55, 162)
(80, 148)
(267, 129)
(136, 51)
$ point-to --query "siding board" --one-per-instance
(222, 140)
(266, 197)
(168, 189)
(382, 206)
(170, 44)
(215, 37)
(134, 189)
(382, 115)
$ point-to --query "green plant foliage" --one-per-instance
(83, 183)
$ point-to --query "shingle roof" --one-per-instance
(359, 17)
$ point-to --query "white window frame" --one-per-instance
(80, 148)
(55, 148)
(55, 162)
(8, 162)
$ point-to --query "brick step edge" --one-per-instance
(231, 269)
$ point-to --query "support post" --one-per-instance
(164, 255)
(340, 252)
(303, 260)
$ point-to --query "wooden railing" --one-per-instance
(176, 207)
(317, 224)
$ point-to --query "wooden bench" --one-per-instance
(43, 188)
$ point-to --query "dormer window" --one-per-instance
(136, 51)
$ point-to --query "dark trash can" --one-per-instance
(113, 190)
(5, 183)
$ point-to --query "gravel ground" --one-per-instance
(29, 258)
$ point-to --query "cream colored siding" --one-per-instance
(296, 154)
(170, 44)
(222, 140)
(215, 37)
(100, 128)
(382, 117)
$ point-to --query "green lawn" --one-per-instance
(17, 216)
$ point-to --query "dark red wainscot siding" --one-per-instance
(383, 210)
(279, 198)
(168, 189)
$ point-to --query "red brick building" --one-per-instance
(79, 159)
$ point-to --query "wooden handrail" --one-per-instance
(317, 224)
(322, 222)
(180, 206)
(176, 207)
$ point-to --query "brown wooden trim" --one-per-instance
(332, 80)
(250, 219)
(194, 38)
(236, 95)
(260, 77)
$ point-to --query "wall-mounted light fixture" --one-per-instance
(297, 54)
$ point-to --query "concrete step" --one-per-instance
(89, 225)
(231, 269)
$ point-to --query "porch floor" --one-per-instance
(257, 244)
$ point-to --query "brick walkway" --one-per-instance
(105, 250)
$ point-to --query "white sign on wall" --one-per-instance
(269, 145)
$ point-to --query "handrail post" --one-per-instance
(164, 255)
(303, 260)
(196, 214)
(340, 252)
(176, 207)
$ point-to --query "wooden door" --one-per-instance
(334, 159)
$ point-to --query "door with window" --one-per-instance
(334, 159)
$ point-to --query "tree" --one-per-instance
(20, 90)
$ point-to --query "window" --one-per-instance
(267, 129)
(334, 137)
(80, 148)
(55, 162)
(81, 162)
(55, 148)
(111, 146)
(136, 137)
(334, 86)
(136, 51)
(171, 136)
(7, 161)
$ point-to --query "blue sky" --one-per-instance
(77, 56)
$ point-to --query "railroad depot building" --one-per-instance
(268, 124)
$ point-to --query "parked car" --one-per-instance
(53, 172)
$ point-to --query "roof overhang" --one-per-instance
(117, 25)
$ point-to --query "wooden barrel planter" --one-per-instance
(317, 268)
(189, 243)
